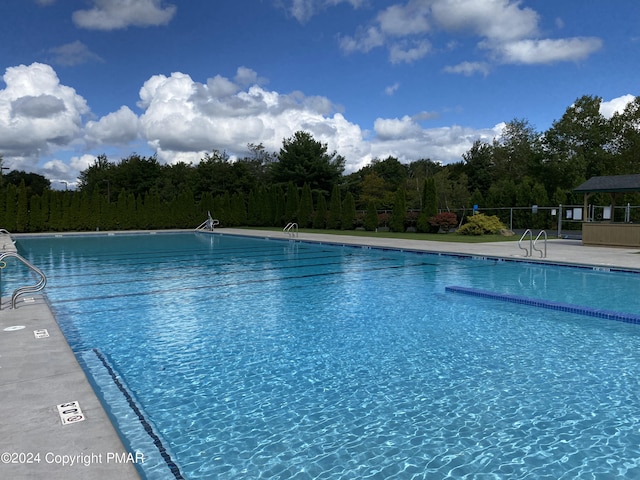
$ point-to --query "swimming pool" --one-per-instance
(252, 358)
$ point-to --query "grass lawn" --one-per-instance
(434, 237)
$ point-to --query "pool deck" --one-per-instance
(37, 374)
(559, 251)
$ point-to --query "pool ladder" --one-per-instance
(26, 288)
(532, 243)
(291, 228)
(209, 224)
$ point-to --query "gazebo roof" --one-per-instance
(611, 183)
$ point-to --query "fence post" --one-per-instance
(560, 221)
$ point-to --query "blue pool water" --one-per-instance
(252, 358)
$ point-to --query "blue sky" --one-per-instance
(413, 79)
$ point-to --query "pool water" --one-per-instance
(270, 359)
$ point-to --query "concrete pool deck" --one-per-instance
(559, 251)
(38, 373)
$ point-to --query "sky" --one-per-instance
(410, 79)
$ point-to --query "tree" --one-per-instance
(399, 211)
(11, 207)
(305, 209)
(517, 152)
(97, 176)
(348, 212)
(335, 209)
(35, 184)
(320, 216)
(391, 170)
(303, 159)
(578, 146)
(374, 190)
(291, 208)
(22, 213)
(430, 205)
(371, 217)
(625, 128)
(478, 166)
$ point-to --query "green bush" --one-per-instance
(481, 224)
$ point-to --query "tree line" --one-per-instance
(304, 182)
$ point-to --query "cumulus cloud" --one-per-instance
(183, 119)
(37, 113)
(616, 105)
(74, 53)
(406, 140)
(116, 128)
(118, 14)
(507, 31)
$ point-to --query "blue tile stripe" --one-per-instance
(175, 470)
(534, 302)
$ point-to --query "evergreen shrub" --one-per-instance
(481, 224)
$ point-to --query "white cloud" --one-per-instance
(37, 113)
(507, 31)
(492, 19)
(396, 128)
(469, 68)
(183, 118)
(548, 51)
(615, 105)
(392, 89)
(365, 40)
(116, 128)
(402, 20)
(303, 10)
(400, 53)
(117, 14)
(74, 53)
(407, 141)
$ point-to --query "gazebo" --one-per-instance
(606, 231)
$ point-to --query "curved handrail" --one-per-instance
(529, 251)
(209, 224)
(291, 228)
(533, 245)
(27, 288)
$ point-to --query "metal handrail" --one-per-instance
(529, 251)
(27, 288)
(291, 228)
(209, 224)
(533, 245)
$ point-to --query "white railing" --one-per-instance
(27, 288)
(291, 228)
(209, 224)
(532, 243)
